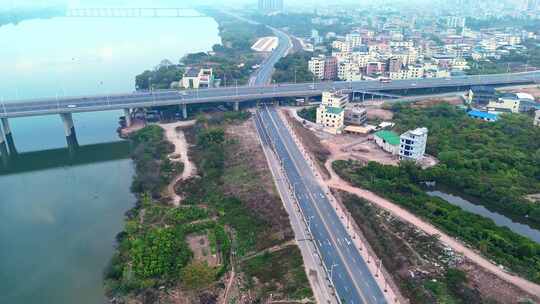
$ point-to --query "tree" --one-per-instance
(197, 275)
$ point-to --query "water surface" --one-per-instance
(59, 219)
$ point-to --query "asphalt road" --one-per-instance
(353, 281)
(264, 74)
(231, 94)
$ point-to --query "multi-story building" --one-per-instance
(537, 118)
(408, 73)
(354, 39)
(394, 64)
(355, 116)
(330, 68)
(324, 67)
(270, 6)
(195, 78)
(508, 103)
(413, 144)
(454, 21)
(316, 66)
(331, 112)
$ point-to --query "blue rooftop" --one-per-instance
(483, 115)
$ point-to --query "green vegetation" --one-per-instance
(159, 78)
(198, 275)
(300, 24)
(154, 169)
(308, 114)
(233, 59)
(495, 163)
(401, 185)
(271, 269)
(152, 250)
(293, 68)
(402, 248)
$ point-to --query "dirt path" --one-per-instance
(180, 153)
(336, 182)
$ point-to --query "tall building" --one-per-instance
(413, 144)
(394, 64)
(330, 68)
(537, 118)
(331, 112)
(270, 6)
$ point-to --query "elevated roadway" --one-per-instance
(11, 109)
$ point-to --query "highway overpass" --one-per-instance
(235, 95)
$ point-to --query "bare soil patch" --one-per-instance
(200, 245)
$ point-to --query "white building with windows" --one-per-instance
(537, 118)
(316, 66)
(412, 145)
(331, 112)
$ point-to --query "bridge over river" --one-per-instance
(234, 95)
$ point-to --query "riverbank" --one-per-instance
(222, 210)
(233, 61)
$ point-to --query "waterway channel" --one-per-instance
(499, 219)
(59, 219)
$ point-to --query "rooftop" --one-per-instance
(334, 110)
(485, 115)
(389, 136)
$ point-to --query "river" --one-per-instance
(59, 220)
(499, 219)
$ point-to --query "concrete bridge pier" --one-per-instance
(127, 115)
(184, 110)
(236, 106)
(69, 129)
(9, 136)
(4, 153)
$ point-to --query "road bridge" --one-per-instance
(133, 12)
(234, 95)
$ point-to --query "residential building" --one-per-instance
(331, 112)
(413, 144)
(335, 99)
(454, 21)
(394, 64)
(408, 73)
(476, 114)
(537, 118)
(330, 68)
(316, 66)
(355, 116)
(331, 118)
(508, 103)
(388, 141)
(195, 78)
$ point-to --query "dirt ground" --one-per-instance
(490, 286)
(200, 245)
(360, 148)
(533, 90)
(377, 113)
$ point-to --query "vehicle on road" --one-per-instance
(385, 80)
(72, 106)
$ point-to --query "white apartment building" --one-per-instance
(408, 73)
(334, 99)
(342, 46)
(316, 66)
(537, 118)
(412, 144)
(354, 39)
(349, 71)
(331, 112)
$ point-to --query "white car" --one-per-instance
(72, 106)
